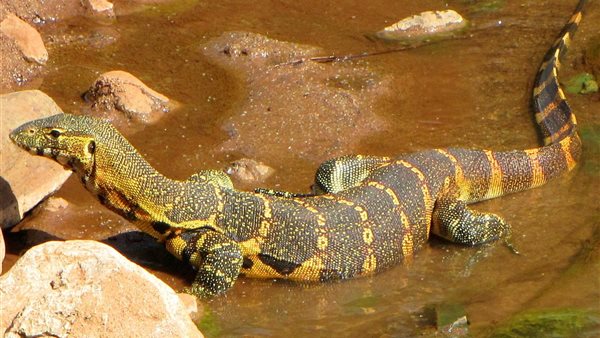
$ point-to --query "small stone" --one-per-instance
(56, 204)
(27, 38)
(25, 180)
(122, 91)
(423, 25)
(100, 5)
(249, 171)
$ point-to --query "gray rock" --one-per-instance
(87, 289)
(24, 179)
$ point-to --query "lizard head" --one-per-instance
(67, 139)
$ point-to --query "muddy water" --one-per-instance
(468, 92)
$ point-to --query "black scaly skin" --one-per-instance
(371, 213)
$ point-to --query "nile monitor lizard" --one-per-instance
(373, 212)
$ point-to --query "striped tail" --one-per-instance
(494, 173)
(552, 112)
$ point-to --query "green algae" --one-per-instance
(551, 323)
(583, 83)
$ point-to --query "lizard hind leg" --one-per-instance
(217, 258)
(453, 220)
(345, 172)
(335, 175)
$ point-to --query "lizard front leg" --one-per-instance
(217, 258)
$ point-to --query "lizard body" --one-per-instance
(371, 212)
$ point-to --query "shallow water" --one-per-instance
(468, 92)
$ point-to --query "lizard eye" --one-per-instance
(55, 133)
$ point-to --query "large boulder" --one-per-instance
(24, 179)
(87, 289)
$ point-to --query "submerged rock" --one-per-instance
(423, 25)
(249, 171)
(122, 91)
(295, 107)
(100, 6)
(83, 289)
(26, 37)
(24, 179)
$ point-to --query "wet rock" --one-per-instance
(124, 92)
(26, 37)
(249, 171)
(85, 288)
(100, 6)
(55, 204)
(295, 107)
(423, 25)
(24, 179)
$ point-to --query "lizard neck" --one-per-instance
(126, 183)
